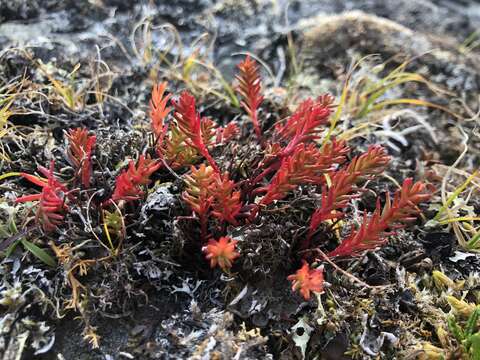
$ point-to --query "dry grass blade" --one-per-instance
(416, 102)
(365, 92)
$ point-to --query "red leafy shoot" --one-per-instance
(80, 153)
(51, 206)
(129, 183)
(307, 280)
(307, 165)
(198, 194)
(250, 88)
(304, 124)
(396, 214)
(158, 112)
(226, 205)
(337, 197)
(221, 252)
(208, 191)
(190, 124)
(301, 127)
(225, 134)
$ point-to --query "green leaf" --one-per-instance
(39, 253)
(455, 194)
(472, 322)
(11, 247)
(455, 329)
(475, 346)
(474, 242)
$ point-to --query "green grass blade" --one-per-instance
(11, 248)
(455, 329)
(39, 253)
(475, 346)
(455, 194)
(474, 242)
(472, 322)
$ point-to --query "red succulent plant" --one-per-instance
(306, 165)
(129, 183)
(342, 189)
(79, 153)
(221, 252)
(250, 88)
(372, 232)
(158, 113)
(52, 200)
(307, 280)
(209, 192)
(292, 158)
(304, 124)
(226, 203)
(224, 134)
(301, 127)
(190, 124)
(198, 194)
(159, 109)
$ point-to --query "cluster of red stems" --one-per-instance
(293, 157)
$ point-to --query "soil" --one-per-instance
(160, 300)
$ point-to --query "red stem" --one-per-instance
(256, 125)
(210, 160)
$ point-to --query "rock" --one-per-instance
(332, 40)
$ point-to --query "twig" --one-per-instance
(346, 273)
(170, 169)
